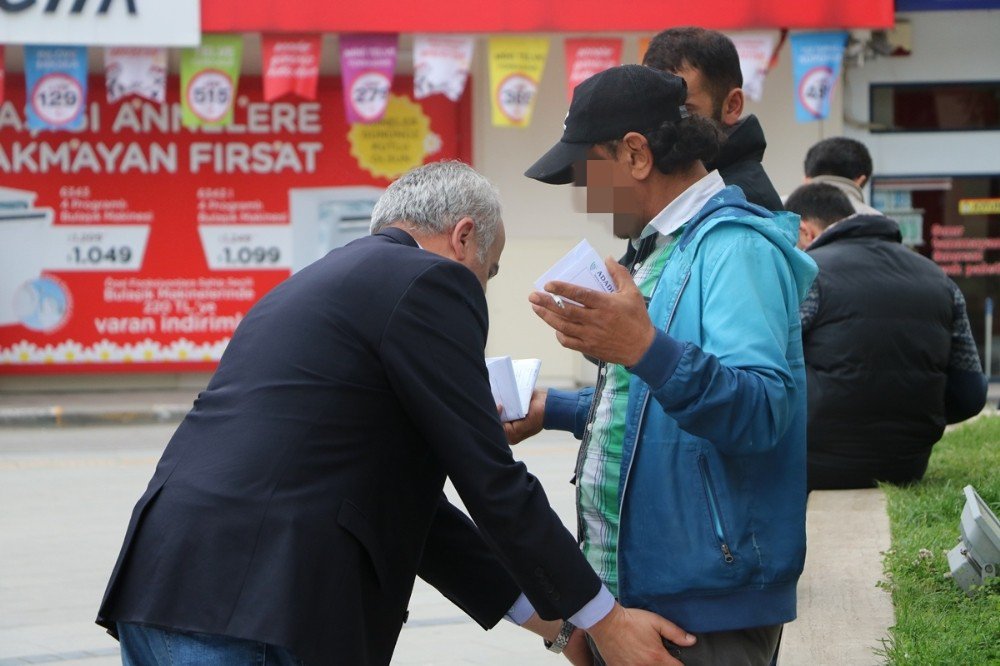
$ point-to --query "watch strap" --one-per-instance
(561, 639)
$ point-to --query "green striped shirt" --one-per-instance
(598, 467)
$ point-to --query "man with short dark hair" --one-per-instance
(845, 164)
(818, 205)
(691, 472)
(708, 61)
(889, 353)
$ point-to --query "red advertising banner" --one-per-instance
(450, 16)
(138, 245)
(291, 65)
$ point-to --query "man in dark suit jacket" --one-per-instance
(302, 494)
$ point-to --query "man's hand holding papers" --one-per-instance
(613, 327)
(581, 266)
(512, 383)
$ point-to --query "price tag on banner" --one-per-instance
(97, 248)
(514, 96)
(247, 247)
(516, 66)
(209, 75)
(370, 95)
(367, 63)
(209, 94)
(814, 90)
(57, 99)
(816, 62)
(56, 78)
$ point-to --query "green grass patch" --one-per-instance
(936, 623)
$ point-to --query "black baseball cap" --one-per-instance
(606, 107)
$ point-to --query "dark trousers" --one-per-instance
(744, 647)
(826, 472)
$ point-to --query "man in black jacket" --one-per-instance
(889, 353)
(707, 60)
(302, 494)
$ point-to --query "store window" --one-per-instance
(935, 107)
(955, 221)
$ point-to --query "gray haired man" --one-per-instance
(302, 494)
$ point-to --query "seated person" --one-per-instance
(890, 358)
(844, 163)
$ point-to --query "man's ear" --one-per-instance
(462, 239)
(808, 231)
(732, 107)
(639, 155)
(861, 180)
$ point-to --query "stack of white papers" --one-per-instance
(512, 383)
(583, 267)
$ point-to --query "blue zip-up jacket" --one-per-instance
(713, 491)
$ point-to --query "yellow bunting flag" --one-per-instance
(516, 66)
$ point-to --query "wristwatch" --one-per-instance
(562, 638)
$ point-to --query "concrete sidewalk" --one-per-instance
(843, 616)
(68, 494)
(135, 407)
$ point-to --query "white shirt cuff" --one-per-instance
(595, 610)
(521, 611)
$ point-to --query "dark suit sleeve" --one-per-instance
(459, 564)
(432, 352)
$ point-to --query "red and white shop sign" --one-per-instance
(139, 245)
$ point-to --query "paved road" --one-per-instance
(65, 498)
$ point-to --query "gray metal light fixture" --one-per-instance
(976, 558)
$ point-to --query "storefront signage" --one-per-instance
(57, 86)
(290, 65)
(944, 5)
(816, 62)
(135, 70)
(441, 65)
(516, 67)
(586, 57)
(101, 22)
(367, 63)
(979, 206)
(210, 75)
(756, 50)
(643, 47)
(137, 244)
(540, 16)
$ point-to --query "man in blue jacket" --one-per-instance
(691, 474)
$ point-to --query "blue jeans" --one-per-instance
(143, 645)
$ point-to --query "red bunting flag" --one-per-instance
(586, 57)
(291, 65)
